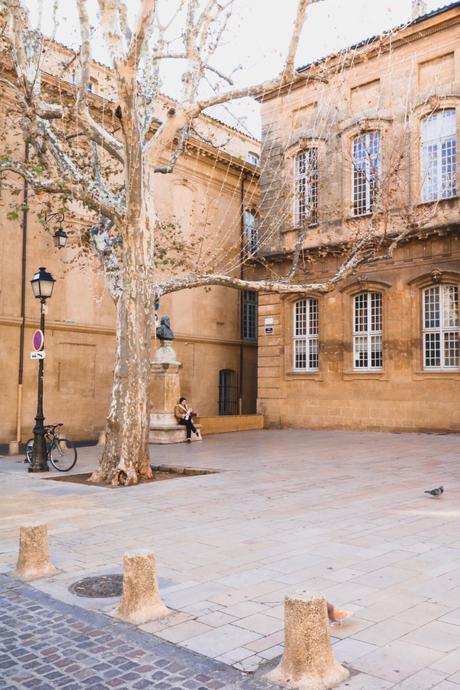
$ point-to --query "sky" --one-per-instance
(257, 38)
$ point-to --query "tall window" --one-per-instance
(366, 171)
(228, 392)
(367, 331)
(306, 335)
(248, 315)
(440, 327)
(306, 187)
(439, 156)
(251, 233)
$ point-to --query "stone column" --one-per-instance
(141, 600)
(164, 395)
(308, 662)
(33, 559)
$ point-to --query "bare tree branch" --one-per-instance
(142, 32)
(105, 249)
(169, 168)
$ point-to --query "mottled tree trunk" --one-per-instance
(125, 459)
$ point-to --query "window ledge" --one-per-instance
(377, 375)
(304, 374)
(427, 374)
(369, 214)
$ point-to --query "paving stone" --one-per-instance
(436, 635)
(169, 668)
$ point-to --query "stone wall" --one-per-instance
(202, 196)
(388, 86)
(402, 397)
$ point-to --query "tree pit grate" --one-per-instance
(98, 587)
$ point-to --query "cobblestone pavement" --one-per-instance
(46, 644)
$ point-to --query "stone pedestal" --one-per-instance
(308, 662)
(141, 600)
(33, 559)
(164, 395)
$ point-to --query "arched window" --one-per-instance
(306, 187)
(440, 327)
(306, 335)
(439, 155)
(367, 331)
(366, 171)
(251, 231)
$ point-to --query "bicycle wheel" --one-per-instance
(29, 450)
(63, 454)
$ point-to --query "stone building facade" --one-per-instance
(214, 187)
(369, 151)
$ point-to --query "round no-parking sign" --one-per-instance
(38, 340)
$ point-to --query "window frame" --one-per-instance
(437, 194)
(369, 333)
(442, 330)
(310, 178)
(246, 320)
(308, 338)
(251, 232)
(369, 191)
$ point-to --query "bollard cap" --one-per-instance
(304, 595)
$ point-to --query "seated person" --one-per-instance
(183, 413)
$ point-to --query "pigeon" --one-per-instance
(336, 615)
(435, 492)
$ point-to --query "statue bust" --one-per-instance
(164, 331)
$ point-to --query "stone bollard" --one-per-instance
(141, 600)
(307, 662)
(33, 559)
(13, 448)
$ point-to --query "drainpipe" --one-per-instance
(14, 447)
(240, 378)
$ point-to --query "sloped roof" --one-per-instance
(371, 39)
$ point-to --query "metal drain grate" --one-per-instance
(101, 586)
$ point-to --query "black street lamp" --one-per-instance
(60, 238)
(42, 286)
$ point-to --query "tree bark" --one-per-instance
(125, 459)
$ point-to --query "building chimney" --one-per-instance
(418, 8)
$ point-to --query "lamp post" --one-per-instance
(60, 236)
(42, 286)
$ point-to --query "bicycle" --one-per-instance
(60, 452)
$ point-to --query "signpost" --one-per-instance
(38, 341)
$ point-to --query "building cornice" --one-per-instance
(70, 327)
(371, 48)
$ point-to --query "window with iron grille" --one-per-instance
(306, 187)
(366, 172)
(439, 156)
(251, 232)
(367, 332)
(306, 341)
(440, 327)
(248, 315)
